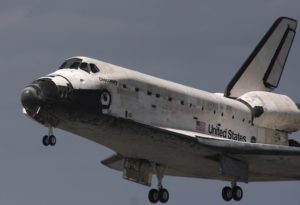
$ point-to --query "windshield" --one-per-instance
(85, 67)
(71, 63)
(76, 63)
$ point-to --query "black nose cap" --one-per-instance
(29, 98)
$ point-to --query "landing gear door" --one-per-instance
(139, 171)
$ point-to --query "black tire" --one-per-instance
(227, 193)
(46, 140)
(237, 193)
(163, 195)
(153, 196)
(52, 140)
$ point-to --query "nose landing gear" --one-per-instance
(49, 139)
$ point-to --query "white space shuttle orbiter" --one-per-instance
(158, 127)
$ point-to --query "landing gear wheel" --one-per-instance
(163, 195)
(237, 193)
(49, 139)
(52, 140)
(46, 140)
(227, 193)
(153, 196)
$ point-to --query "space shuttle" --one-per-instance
(162, 128)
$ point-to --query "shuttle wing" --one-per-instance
(203, 156)
(263, 68)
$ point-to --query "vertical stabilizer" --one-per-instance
(263, 68)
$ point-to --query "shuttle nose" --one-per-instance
(30, 98)
(39, 93)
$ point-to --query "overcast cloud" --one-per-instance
(197, 43)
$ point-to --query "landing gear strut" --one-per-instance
(159, 194)
(234, 192)
(49, 139)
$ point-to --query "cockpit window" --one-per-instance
(76, 63)
(71, 63)
(63, 65)
(85, 67)
(94, 68)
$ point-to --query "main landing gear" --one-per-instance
(49, 139)
(161, 194)
(234, 192)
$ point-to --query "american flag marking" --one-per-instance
(200, 126)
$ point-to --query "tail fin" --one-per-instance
(263, 68)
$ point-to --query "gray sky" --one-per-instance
(197, 43)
